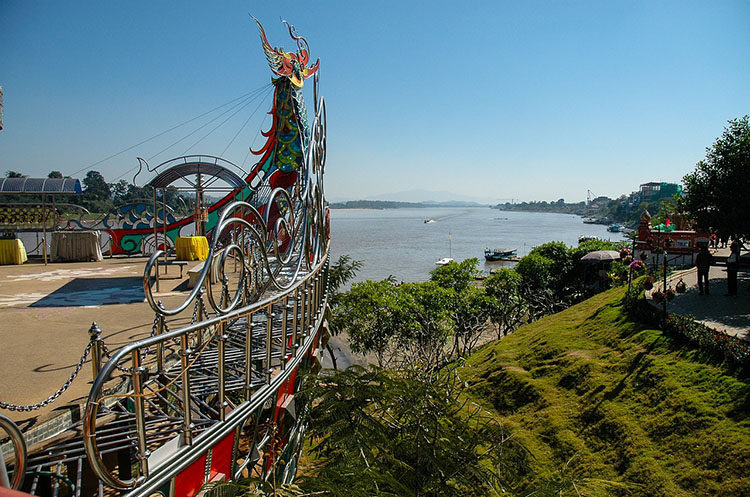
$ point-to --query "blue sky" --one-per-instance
(525, 100)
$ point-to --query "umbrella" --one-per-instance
(601, 256)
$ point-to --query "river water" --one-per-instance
(398, 242)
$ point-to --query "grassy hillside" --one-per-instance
(614, 408)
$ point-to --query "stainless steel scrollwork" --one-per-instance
(272, 248)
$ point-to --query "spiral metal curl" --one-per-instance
(270, 257)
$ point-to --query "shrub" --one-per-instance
(729, 347)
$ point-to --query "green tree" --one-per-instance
(593, 245)
(535, 271)
(252, 487)
(508, 308)
(381, 432)
(717, 192)
(371, 314)
(96, 195)
(469, 312)
(119, 191)
(468, 305)
(424, 326)
(55, 174)
(14, 174)
(456, 275)
(560, 263)
(341, 271)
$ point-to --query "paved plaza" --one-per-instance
(45, 315)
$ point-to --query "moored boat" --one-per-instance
(499, 254)
(587, 238)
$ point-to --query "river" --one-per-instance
(398, 242)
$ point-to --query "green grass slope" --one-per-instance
(611, 407)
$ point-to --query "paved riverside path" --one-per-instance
(716, 310)
(45, 315)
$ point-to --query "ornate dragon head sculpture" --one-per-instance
(291, 65)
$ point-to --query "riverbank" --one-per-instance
(612, 408)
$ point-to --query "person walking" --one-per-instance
(733, 263)
(703, 262)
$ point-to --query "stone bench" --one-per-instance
(166, 265)
(195, 272)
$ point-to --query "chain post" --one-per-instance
(306, 312)
(140, 412)
(95, 336)
(318, 293)
(199, 318)
(310, 310)
(248, 355)
(56, 395)
(302, 312)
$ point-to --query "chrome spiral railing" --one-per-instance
(273, 244)
(224, 373)
(224, 368)
(172, 401)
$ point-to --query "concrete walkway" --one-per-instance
(715, 310)
(46, 312)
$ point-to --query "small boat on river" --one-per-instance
(587, 238)
(446, 260)
(499, 254)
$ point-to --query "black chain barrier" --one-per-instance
(54, 396)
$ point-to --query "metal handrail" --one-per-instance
(189, 454)
(303, 221)
(19, 447)
(311, 212)
(313, 283)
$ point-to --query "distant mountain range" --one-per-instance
(427, 196)
(385, 204)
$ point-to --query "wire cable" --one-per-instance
(220, 125)
(243, 127)
(257, 90)
(246, 101)
(241, 103)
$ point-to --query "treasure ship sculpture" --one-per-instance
(219, 398)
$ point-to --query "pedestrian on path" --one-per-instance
(703, 262)
(733, 263)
